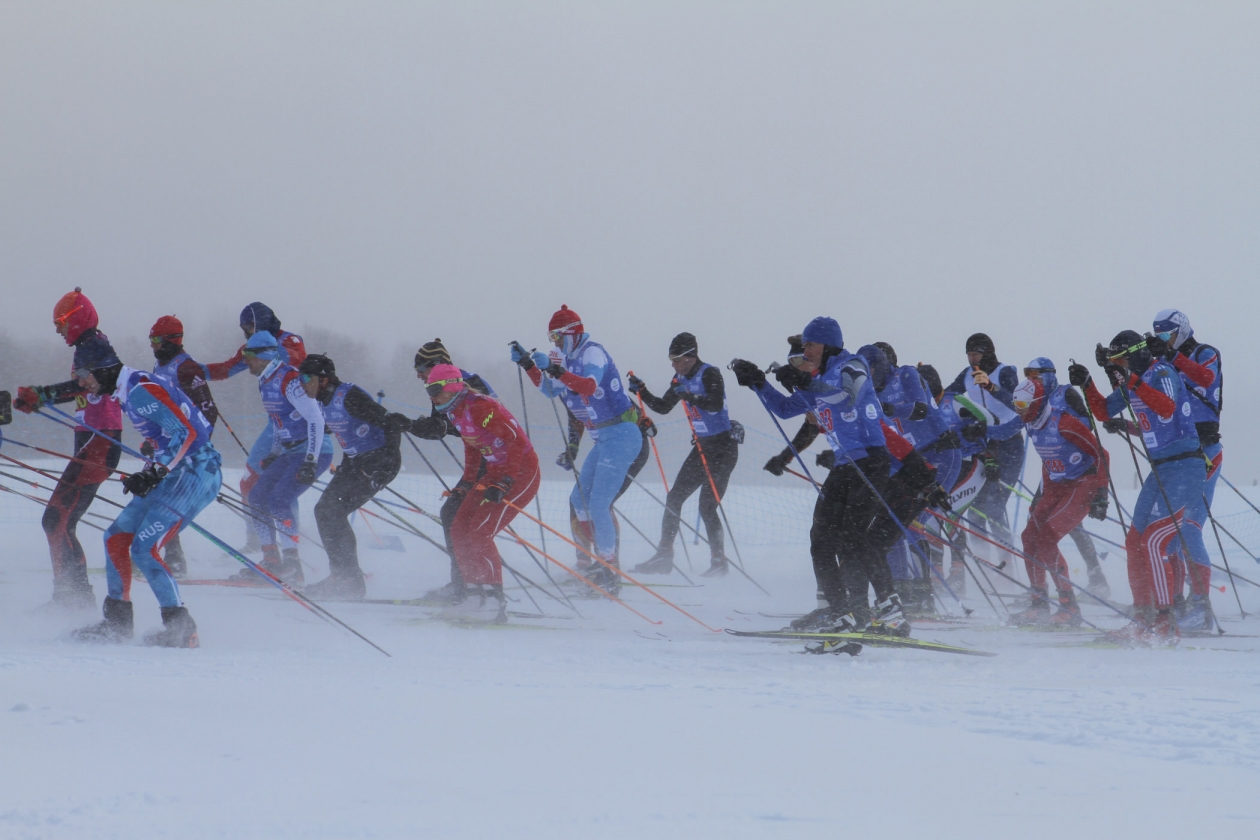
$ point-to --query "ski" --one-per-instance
(870, 639)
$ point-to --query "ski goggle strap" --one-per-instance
(568, 329)
(438, 385)
(1128, 351)
(156, 340)
(61, 322)
(683, 355)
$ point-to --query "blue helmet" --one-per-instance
(825, 331)
(1170, 321)
(96, 353)
(263, 345)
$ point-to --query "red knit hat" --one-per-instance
(168, 327)
(76, 313)
(565, 322)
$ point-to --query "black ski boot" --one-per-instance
(1038, 612)
(270, 564)
(118, 626)
(660, 563)
(819, 619)
(606, 578)
(718, 567)
(179, 630)
(291, 567)
(339, 586)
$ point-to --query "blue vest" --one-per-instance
(1064, 461)
(1163, 437)
(170, 370)
(609, 400)
(355, 436)
(850, 428)
(1205, 403)
(903, 390)
(706, 423)
(288, 422)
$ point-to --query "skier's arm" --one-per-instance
(222, 370)
(959, 385)
(1078, 434)
(1102, 407)
(311, 412)
(192, 381)
(780, 406)
(898, 446)
(152, 400)
(661, 405)
(295, 347)
(1159, 399)
(477, 384)
(361, 406)
(1203, 373)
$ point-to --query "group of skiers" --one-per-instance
(908, 458)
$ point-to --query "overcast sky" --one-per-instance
(1047, 173)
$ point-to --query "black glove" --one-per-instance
(1078, 375)
(826, 460)
(1102, 356)
(521, 356)
(793, 379)
(920, 411)
(975, 431)
(683, 394)
(141, 483)
(267, 462)
(146, 449)
(495, 492)
(459, 491)
(430, 428)
(992, 469)
(396, 423)
(938, 497)
(307, 473)
(1098, 505)
(1158, 347)
(1116, 425)
(778, 463)
(634, 384)
(889, 409)
(647, 426)
(747, 374)
(1117, 376)
(567, 458)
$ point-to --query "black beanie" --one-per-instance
(683, 344)
(981, 343)
(432, 353)
(932, 379)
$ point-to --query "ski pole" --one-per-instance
(664, 482)
(1111, 480)
(56, 455)
(45, 503)
(1240, 493)
(647, 539)
(1221, 546)
(611, 567)
(520, 380)
(50, 491)
(232, 432)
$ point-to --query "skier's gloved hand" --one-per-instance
(1102, 356)
(634, 384)
(146, 449)
(992, 469)
(919, 412)
(1118, 376)
(938, 497)
(683, 394)
(747, 374)
(396, 423)
(141, 483)
(646, 426)
(1116, 425)
(267, 462)
(29, 398)
(430, 428)
(777, 464)
(1157, 346)
(1098, 505)
(521, 356)
(495, 492)
(1078, 375)
(889, 409)
(826, 460)
(567, 458)
(307, 473)
(459, 491)
(974, 431)
(793, 379)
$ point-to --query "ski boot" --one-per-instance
(847, 623)
(118, 626)
(291, 567)
(1037, 612)
(1098, 586)
(339, 586)
(445, 596)
(660, 563)
(70, 598)
(890, 619)
(604, 577)
(834, 646)
(1197, 616)
(270, 564)
(819, 619)
(1068, 614)
(957, 579)
(179, 630)
(718, 567)
(1165, 632)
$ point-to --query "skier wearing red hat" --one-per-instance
(76, 320)
(500, 466)
(582, 374)
(173, 363)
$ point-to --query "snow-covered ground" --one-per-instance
(606, 725)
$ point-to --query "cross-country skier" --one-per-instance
(990, 384)
(1074, 471)
(585, 378)
(840, 395)
(173, 363)
(700, 388)
(436, 427)
(299, 455)
(75, 320)
(369, 437)
(180, 480)
(291, 350)
(1200, 368)
(1171, 505)
(807, 433)
(500, 467)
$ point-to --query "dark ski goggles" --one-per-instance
(435, 387)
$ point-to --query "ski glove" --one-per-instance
(826, 460)
(1157, 346)
(429, 428)
(919, 412)
(889, 409)
(974, 431)
(396, 423)
(992, 469)
(1102, 356)
(777, 464)
(1116, 425)
(267, 462)
(495, 492)
(140, 484)
(30, 398)
(306, 473)
(146, 448)
(792, 378)
(1078, 375)
(683, 394)
(1098, 505)
(1118, 376)
(938, 497)
(634, 384)
(567, 458)
(521, 356)
(747, 374)
(459, 491)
